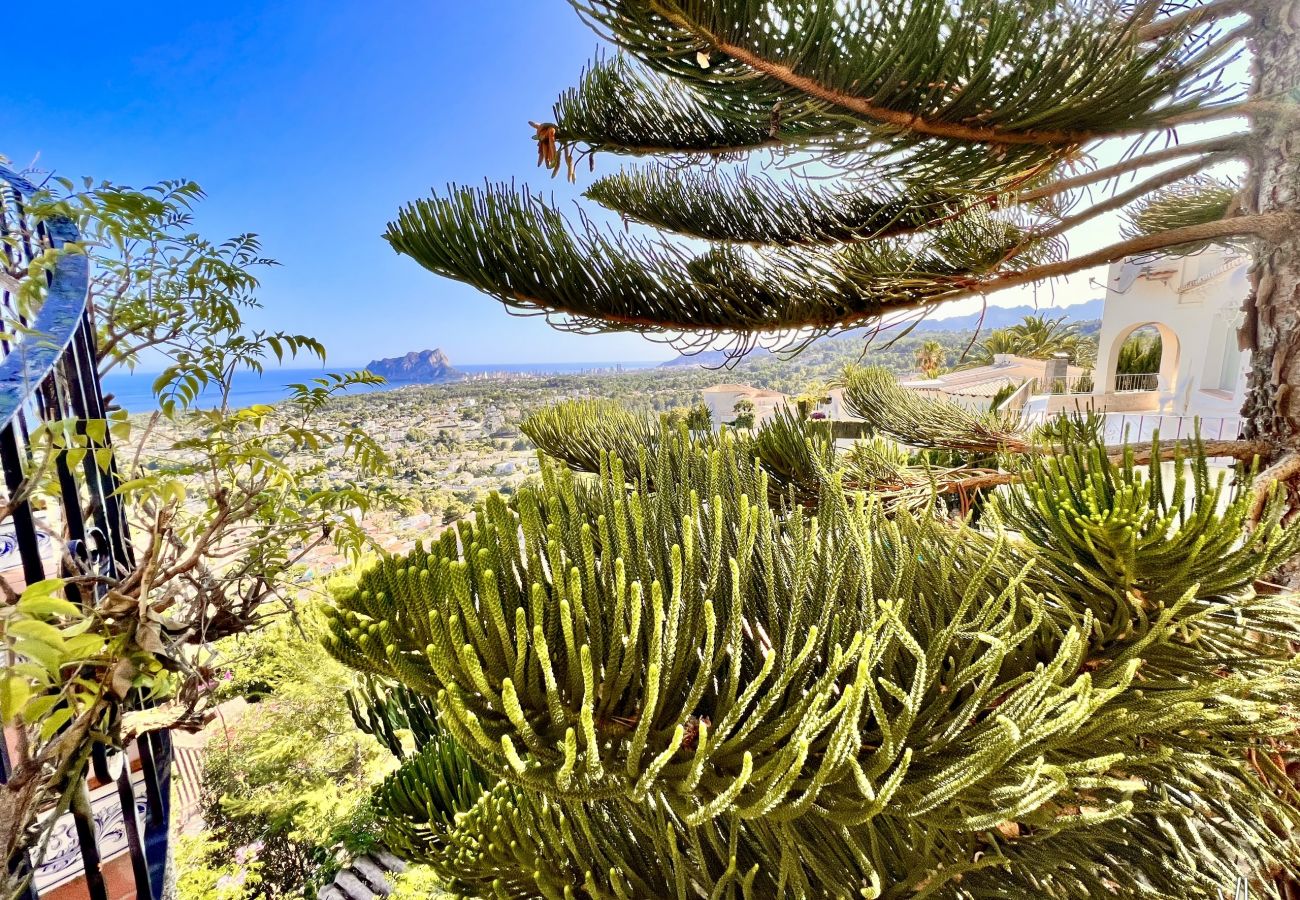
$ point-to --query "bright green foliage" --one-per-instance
(579, 430)
(1192, 202)
(42, 635)
(875, 396)
(419, 883)
(1140, 354)
(796, 454)
(1129, 544)
(285, 786)
(744, 410)
(670, 686)
(207, 870)
(698, 418)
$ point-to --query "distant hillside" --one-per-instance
(1002, 316)
(425, 366)
(994, 317)
(710, 359)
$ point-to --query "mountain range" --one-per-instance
(1002, 316)
(992, 318)
(423, 366)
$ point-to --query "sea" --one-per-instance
(134, 391)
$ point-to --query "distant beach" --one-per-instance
(134, 392)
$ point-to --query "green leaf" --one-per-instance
(42, 607)
(46, 587)
(38, 706)
(135, 484)
(40, 652)
(31, 671)
(14, 692)
(77, 628)
(37, 631)
(55, 721)
(83, 646)
(173, 492)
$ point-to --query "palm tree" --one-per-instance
(1037, 337)
(932, 359)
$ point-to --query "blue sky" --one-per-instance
(311, 123)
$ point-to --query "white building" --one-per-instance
(721, 399)
(1195, 304)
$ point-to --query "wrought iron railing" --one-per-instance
(1147, 381)
(48, 373)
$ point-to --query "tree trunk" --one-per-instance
(1272, 326)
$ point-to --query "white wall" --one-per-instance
(1194, 302)
(722, 405)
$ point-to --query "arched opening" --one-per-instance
(1145, 358)
(1137, 365)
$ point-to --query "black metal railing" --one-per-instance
(49, 373)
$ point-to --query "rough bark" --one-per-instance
(1271, 411)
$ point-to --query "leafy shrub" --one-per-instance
(291, 778)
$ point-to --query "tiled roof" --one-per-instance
(984, 381)
(747, 389)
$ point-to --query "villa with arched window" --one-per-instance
(1191, 306)
(1168, 358)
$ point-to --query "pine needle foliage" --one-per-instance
(663, 684)
(845, 161)
(621, 107)
(1034, 76)
(1191, 202)
(599, 278)
(1138, 538)
(581, 432)
(796, 454)
(874, 395)
(733, 205)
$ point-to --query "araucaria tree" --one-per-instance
(749, 665)
(684, 678)
(947, 147)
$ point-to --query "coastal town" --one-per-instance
(450, 444)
